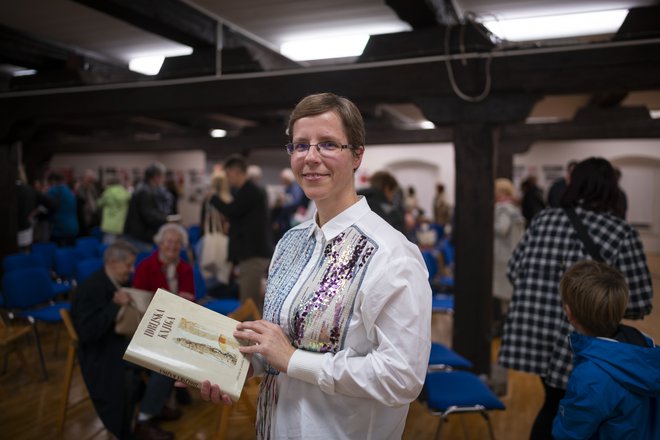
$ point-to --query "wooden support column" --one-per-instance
(473, 237)
(504, 157)
(8, 201)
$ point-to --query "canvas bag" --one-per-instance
(215, 247)
(129, 315)
(127, 319)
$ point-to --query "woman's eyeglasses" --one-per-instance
(324, 148)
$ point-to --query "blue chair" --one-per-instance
(224, 306)
(451, 392)
(442, 303)
(141, 256)
(447, 250)
(88, 246)
(101, 249)
(431, 263)
(29, 294)
(20, 261)
(87, 267)
(66, 261)
(194, 234)
(443, 357)
(45, 251)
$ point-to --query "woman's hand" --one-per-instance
(210, 393)
(267, 339)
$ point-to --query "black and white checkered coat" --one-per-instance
(536, 330)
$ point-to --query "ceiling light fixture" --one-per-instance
(655, 114)
(150, 64)
(24, 72)
(558, 26)
(322, 48)
(147, 65)
(218, 133)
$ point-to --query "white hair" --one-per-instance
(158, 238)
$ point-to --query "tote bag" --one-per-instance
(215, 247)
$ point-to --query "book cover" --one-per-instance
(190, 343)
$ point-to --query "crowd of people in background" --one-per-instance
(530, 231)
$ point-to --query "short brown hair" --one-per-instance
(320, 103)
(597, 295)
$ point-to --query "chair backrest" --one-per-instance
(431, 263)
(447, 250)
(20, 261)
(25, 288)
(45, 250)
(200, 284)
(246, 311)
(194, 234)
(88, 246)
(87, 267)
(141, 256)
(66, 261)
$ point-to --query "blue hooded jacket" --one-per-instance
(613, 391)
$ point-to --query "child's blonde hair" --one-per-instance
(597, 295)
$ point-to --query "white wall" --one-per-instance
(419, 165)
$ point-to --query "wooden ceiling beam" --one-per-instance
(170, 19)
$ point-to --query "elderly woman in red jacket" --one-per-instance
(164, 267)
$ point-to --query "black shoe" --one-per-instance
(148, 430)
(182, 396)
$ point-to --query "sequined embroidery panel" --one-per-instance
(324, 305)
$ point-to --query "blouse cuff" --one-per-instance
(305, 366)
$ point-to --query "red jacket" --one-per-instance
(150, 275)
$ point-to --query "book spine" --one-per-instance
(138, 360)
(143, 362)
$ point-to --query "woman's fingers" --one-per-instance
(267, 339)
(213, 393)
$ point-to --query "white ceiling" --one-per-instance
(270, 21)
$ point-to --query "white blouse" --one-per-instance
(355, 300)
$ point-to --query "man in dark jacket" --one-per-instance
(112, 382)
(148, 209)
(250, 243)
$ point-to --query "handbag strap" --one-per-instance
(583, 235)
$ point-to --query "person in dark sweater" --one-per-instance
(250, 243)
(614, 388)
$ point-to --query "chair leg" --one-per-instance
(223, 422)
(41, 353)
(68, 373)
(437, 432)
(486, 417)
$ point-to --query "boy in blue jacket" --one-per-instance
(614, 389)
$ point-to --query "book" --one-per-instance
(190, 343)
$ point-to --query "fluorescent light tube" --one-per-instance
(218, 133)
(325, 47)
(147, 65)
(558, 26)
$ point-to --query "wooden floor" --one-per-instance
(28, 405)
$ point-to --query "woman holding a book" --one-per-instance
(344, 344)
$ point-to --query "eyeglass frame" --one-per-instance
(290, 149)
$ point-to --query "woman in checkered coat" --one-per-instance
(536, 330)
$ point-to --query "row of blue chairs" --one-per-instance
(449, 388)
